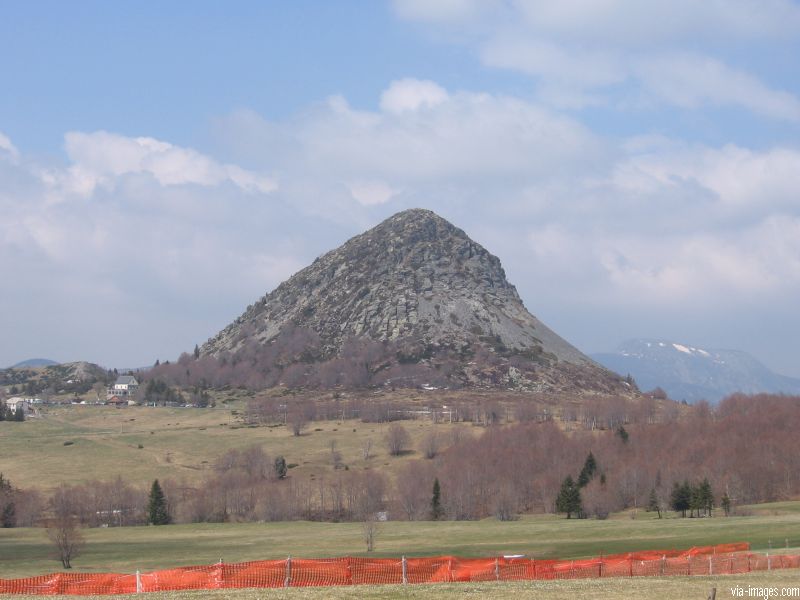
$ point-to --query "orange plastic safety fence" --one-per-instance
(293, 572)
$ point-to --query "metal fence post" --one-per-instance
(138, 582)
(710, 566)
(497, 569)
(769, 562)
(288, 580)
(405, 571)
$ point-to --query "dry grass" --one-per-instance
(671, 588)
(178, 443)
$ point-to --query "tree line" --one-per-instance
(743, 451)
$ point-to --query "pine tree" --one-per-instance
(280, 467)
(588, 471)
(436, 501)
(7, 506)
(622, 434)
(196, 351)
(157, 506)
(19, 414)
(706, 497)
(569, 498)
(653, 504)
(681, 497)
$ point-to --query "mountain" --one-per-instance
(691, 374)
(34, 362)
(419, 301)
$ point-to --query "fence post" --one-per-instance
(288, 580)
(138, 582)
(769, 562)
(663, 564)
(710, 566)
(497, 569)
(600, 568)
(572, 570)
(405, 571)
(688, 565)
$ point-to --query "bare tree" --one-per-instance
(300, 414)
(336, 456)
(430, 444)
(99, 390)
(366, 449)
(397, 439)
(62, 528)
(369, 530)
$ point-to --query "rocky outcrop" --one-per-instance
(414, 277)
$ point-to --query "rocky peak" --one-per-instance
(413, 277)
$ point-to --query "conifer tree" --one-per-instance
(569, 498)
(653, 504)
(588, 471)
(681, 497)
(157, 513)
(436, 501)
(280, 467)
(705, 497)
(7, 506)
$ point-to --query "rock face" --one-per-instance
(413, 278)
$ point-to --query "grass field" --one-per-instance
(666, 588)
(26, 551)
(103, 442)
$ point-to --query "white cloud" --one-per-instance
(370, 193)
(99, 157)
(411, 95)
(6, 147)
(635, 23)
(692, 81)
(542, 58)
(629, 54)
(646, 225)
(742, 181)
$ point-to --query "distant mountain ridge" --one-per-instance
(34, 362)
(689, 373)
(430, 300)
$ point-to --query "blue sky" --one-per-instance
(635, 166)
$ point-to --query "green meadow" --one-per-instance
(26, 551)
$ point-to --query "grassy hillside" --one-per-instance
(26, 551)
(76, 443)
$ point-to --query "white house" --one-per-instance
(24, 404)
(126, 385)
